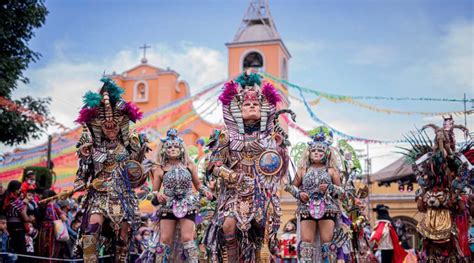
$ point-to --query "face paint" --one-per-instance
(318, 153)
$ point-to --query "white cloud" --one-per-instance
(66, 78)
(374, 55)
(199, 66)
(454, 68)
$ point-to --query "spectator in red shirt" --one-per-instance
(15, 210)
(29, 183)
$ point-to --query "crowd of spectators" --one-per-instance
(27, 225)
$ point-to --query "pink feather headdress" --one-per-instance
(132, 111)
(87, 114)
(271, 94)
(230, 90)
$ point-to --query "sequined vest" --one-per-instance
(313, 178)
(177, 182)
(319, 204)
(177, 186)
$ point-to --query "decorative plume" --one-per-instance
(172, 135)
(271, 93)
(248, 80)
(132, 111)
(87, 114)
(230, 90)
(92, 99)
(420, 144)
(322, 134)
(115, 92)
(319, 137)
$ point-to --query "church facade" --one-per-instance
(152, 88)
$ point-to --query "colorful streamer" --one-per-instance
(348, 137)
(381, 110)
(369, 107)
(342, 98)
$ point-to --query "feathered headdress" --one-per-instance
(94, 101)
(106, 108)
(247, 87)
(172, 138)
(321, 139)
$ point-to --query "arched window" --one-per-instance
(140, 92)
(253, 60)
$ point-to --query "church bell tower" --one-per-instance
(257, 44)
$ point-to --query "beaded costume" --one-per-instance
(177, 186)
(249, 161)
(353, 217)
(321, 205)
(110, 167)
(445, 176)
(181, 200)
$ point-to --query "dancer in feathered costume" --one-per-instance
(177, 174)
(353, 216)
(111, 164)
(444, 175)
(317, 187)
(208, 207)
(249, 161)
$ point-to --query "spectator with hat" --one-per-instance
(385, 237)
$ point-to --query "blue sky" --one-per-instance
(385, 48)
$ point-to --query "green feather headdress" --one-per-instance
(92, 99)
(248, 80)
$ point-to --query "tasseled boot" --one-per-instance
(305, 252)
(164, 256)
(191, 252)
(89, 248)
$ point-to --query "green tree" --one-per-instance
(18, 19)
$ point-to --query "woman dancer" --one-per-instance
(177, 174)
(316, 187)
